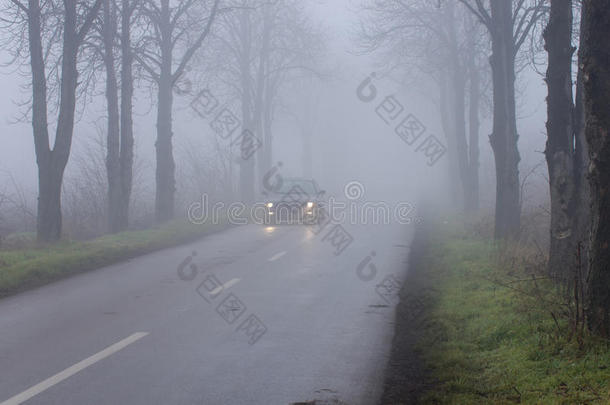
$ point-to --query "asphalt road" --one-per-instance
(272, 316)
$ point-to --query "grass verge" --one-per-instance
(484, 339)
(22, 269)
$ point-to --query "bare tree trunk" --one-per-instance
(119, 157)
(171, 31)
(504, 137)
(581, 212)
(306, 119)
(595, 54)
(448, 128)
(560, 136)
(267, 129)
(113, 131)
(262, 79)
(306, 126)
(246, 167)
(164, 152)
(65, 122)
(458, 85)
(459, 105)
(49, 205)
(52, 163)
(127, 141)
(473, 124)
(166, 184)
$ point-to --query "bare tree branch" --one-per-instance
(191, 51)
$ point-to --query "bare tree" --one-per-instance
(458, 78)
(245, 51)
(474, 71)
(291, 50)
(595, 54)
(55, 35)
(120, 138)
(265, 45)
(443, 43)
(566, 152)
(509, 24)
(177, 31)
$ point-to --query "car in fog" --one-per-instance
(294, 200)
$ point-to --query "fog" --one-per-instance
(319, 202)
(350, 141)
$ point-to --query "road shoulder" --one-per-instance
(25, 269)
(406, 378)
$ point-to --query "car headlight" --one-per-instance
(309, 205)
(269, 205)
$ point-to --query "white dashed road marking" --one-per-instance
(225, 285)
(277, 256)
(70, 371)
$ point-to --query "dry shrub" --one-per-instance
(522, 266)
(524, 269)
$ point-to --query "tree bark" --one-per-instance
(595, 57)
(49, 205)
(504, 137)
(170, 24)
(246, 167)
(262, 88)
(473, 123)
(119, 157)
(127, 139)
(113, 130)
(267, 129)
(446, 121)
(52, 162)
(65, 125)
(581, 213)
(560, 137)
(165, 172)
(458, 85)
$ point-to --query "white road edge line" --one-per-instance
(70, 371)
(277, 256)
(222, 287)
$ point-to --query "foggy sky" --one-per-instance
(350, 142)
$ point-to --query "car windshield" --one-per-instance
(296, 185)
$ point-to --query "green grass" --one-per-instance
(500, 346)
(25, 268)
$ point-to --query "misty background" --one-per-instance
(349, 141)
